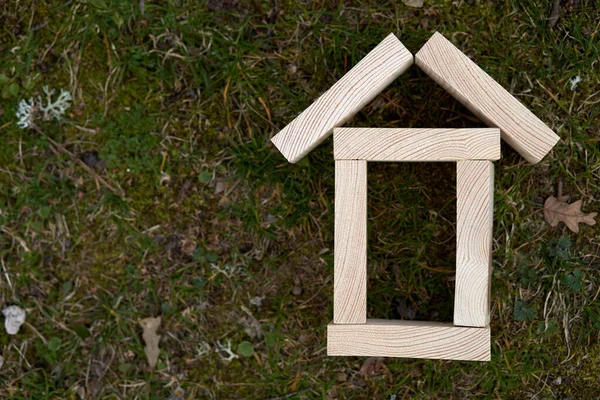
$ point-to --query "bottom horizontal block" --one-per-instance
(410, 339)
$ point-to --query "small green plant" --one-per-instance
(573, 280)
(528, 275)
(560, 250)
(524, 311)
(54, 344)
(245, 349)
(8, 89)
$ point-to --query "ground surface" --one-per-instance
(175, 102)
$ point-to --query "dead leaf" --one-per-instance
(414, 3)
(150, 326)
(187, 246)
(558, 210)
(374, 365)
(252, 326)
(220, 187)
(100, 364)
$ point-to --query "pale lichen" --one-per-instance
(226, 348)
(202, 349)
(32, 109)
(26, 113)
(14, 318)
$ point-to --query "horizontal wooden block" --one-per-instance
(474, 229)
(345, 98)
(486, 98)
(412, 339)
(416, 144)
(350, 247)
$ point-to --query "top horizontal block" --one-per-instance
(486, 98)
(345, 98)
(416, 144)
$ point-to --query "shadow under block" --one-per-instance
(350, 246)
(345, 98)
(486, 98)
(411, 339)
(416, 144)
(474, 228)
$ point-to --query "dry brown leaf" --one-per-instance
(150, 326)
(558, 210)
(414, 3)
(374, 365)
(251, 325)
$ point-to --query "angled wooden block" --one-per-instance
(416, 144)
(481, 94)
(350, 247)
(474, 223)
(413, 339)
(344, 99)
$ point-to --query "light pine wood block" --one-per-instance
(474, 223)
(416, 144)
(481, 94)
(345, 98)
(350, 247)
(411, 339)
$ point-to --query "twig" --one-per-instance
(183, 192)
(287, 396)
(83, 165)
(554, 14)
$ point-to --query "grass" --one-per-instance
(177, 101)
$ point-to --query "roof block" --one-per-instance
(481, 94)
(344, 99)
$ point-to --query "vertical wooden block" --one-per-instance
(344, 99)
(486, 98)
(474, 223)
(350, 248)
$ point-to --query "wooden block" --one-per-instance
(420, 144)
(344, 99)
(474, 223)
(481, 94)
(350, 248)
(413, 339)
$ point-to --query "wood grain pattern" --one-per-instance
(350, 248)
(416, 144)
(413, 339)
(481, 94)
(345, 98)
(474, 225)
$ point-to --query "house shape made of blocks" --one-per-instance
(468, 336)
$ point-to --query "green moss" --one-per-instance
(180, 99)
